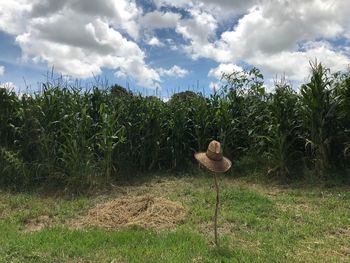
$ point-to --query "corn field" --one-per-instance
(68, 137)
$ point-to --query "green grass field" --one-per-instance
(258, 222)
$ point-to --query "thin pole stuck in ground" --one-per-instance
(216, 210)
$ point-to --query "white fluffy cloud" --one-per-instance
(295, 64)
(2, 70)
(79, 37)
(223, 68)
(199, 28)
(280, 26)
(155, 42)
(221, 8)
(174, 71)
(12, 14)
(157, 19)
(176, 3)
(234, 6)
(121, 14)
(277, 36)
(84, 48)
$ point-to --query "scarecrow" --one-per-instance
(214, 161)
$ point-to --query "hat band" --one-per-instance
(214, 156)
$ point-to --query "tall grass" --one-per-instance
(69, 137)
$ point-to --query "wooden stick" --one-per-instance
(216, 210)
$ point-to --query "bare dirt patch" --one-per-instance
(36, 224)
(296, 208)
(142, 211)
(340, 232)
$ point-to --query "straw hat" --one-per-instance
(213, 158)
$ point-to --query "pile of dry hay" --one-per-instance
(143, 211)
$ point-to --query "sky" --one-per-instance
(158, 47)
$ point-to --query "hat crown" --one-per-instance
(214, 151)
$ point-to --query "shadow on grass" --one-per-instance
(222, 251)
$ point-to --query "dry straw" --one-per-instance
(142, 211)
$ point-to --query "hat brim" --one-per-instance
(215, 166)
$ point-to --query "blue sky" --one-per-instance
(168, 46)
